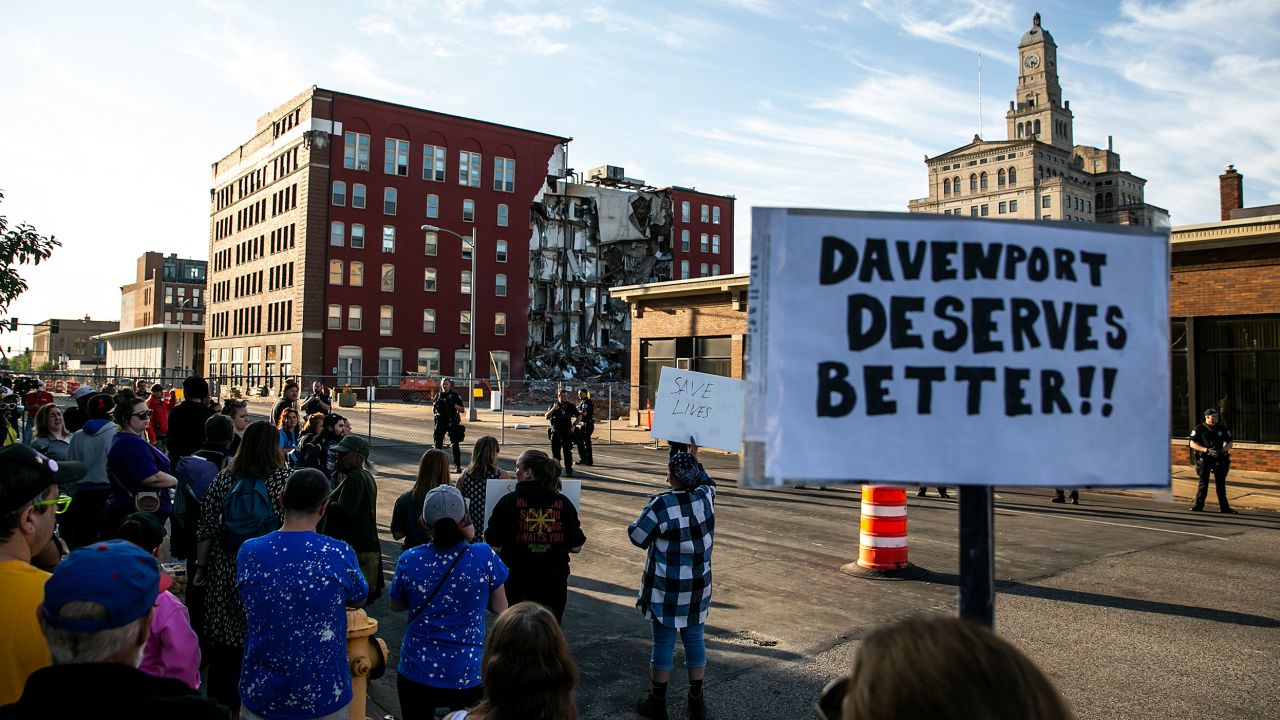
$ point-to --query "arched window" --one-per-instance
(973, 182)
(1037, 126)
(955, 184)
(1019, 130)
(982, 179)
(1108, 200)
(1000, 177)
(1013, 176)
(946, 186)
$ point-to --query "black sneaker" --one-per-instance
(697, 708)
(1058, 499)
(568, 473)
(920, 492)
(652, 707)
(1196, 508)
(1230, 511)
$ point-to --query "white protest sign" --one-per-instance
(705, 407)
(495, 489)
(925, 349)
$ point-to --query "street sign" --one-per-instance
(925, 349)
(707, 408)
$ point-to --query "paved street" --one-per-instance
(1137, 608)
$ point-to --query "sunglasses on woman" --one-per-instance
(142, 415)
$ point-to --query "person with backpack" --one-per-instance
(242, 503)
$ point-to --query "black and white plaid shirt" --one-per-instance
(676, 529)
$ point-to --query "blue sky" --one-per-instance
(115, 111)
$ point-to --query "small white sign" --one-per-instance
(495, 489)
(707, 408)
(928, 349)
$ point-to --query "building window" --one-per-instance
(715, 215)
(715, 269)
(389, 196)
(464, 322)
(388, 278)
(389, 366)
(355, 318)
(396, 160)
(703, 242)
(501, 363)
(684, 269)
(982, 181)
(468, 211)
(358, 196)
(349, 366)
(500, 285)
(469, 168)
(499, 323)
(335, 272)
(428, 320)
(504, 174)
(502, 215)
(335, 317)
(429, 361)
(1003, 206)
(429, 280)
(357, 236)
(433, 206)
(385, 316)
(973, 211)
(973, 182)
(1045, 201)
(1013, 206)
(339, 193)
(355, 274)
(1000, 177)
(706, 214)
(388, 238)
(337, 233)
(715, 244)
(1013, 176)
(501, 249)
(355, 151)
(984, 210)
(702, 270)
(684, 211)
(466, 282)
(684, 240)
(433, 163)
(946, 186)
(462, 364)
(431, 245)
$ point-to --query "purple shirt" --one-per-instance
(131, 460)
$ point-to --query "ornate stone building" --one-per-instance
(1038, 173)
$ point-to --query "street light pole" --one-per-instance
(471, 381)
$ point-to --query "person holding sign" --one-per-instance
(562, 415)
(448, 417)
(1211, 441)
(535, 529)
(675, 529)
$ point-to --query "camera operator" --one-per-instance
(1211, 441)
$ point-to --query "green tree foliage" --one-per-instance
(19, 246)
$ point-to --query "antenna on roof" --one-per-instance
(979, 94)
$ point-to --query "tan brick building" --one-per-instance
(1224, 309)
(1038, 173)
(75, 344)
(161, 317)
(697, 324)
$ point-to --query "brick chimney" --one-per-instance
(1230, 191)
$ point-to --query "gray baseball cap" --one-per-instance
(444, 503)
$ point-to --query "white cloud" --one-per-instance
(952, 22)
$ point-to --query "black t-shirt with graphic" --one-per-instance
(535, 528)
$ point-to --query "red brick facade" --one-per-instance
(717, 227)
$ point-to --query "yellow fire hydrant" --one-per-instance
(367, 658)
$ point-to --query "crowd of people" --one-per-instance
(275, 521)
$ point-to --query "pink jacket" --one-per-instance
(172, 650)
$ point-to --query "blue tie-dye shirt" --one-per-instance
(444, 643)
(296, 587)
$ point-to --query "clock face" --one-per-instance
(1032, 61)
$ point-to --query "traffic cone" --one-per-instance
(882, 540)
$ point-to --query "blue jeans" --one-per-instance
(664, 646)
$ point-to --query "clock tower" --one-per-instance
(1038, 112)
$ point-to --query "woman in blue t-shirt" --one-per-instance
(446, 586)
(138, 472)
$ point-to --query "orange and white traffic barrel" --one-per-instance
(882, 536)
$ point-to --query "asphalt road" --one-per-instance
(1136, 608)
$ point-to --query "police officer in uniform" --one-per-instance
(586, 426)
(562, 415)
(1211, 441)
(448, 415)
